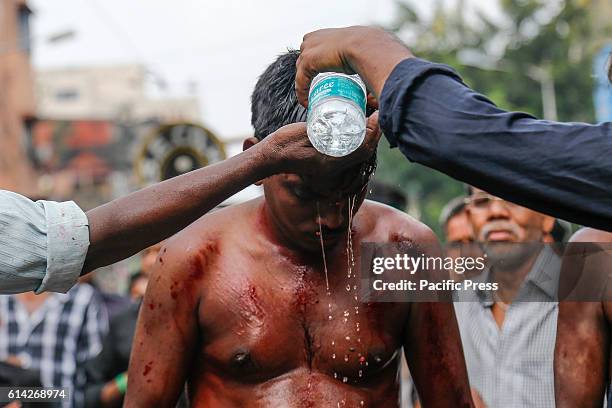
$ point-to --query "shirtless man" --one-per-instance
(582, 350)
(238, 303)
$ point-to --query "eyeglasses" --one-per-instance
(482, 201)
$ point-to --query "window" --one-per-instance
(65, 95)
(25, 40)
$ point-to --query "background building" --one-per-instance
(17, 107)
(92, 124)
(118, 93)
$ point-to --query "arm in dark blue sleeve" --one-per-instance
(561, 169)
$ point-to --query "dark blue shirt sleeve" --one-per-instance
(561, 169)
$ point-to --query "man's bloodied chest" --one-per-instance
(258, 325)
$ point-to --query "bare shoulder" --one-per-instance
(193, 250)
(591, 235)
(386, 223)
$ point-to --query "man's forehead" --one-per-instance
(325, 185)
(329, 186)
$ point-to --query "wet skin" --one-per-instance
(238, 307)
(583, 348)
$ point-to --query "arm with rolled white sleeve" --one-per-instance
(43, 244)
(46, 246)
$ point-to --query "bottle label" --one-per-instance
(337, 86)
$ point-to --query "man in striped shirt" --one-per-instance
(508, 335)
(54, 334)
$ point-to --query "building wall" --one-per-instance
(106, 93)
(17, 104)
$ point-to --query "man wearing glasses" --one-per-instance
(508, 335)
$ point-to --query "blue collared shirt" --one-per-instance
(43, 244)
(564, 169)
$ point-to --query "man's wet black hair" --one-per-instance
(274, 102)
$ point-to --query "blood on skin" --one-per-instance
(204, 260)
(306, 392)
(173, 292)
(305, 293)
(147, 368)
(250, 302)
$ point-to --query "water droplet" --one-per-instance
(361, 403)
(335, 375)
(346, 313)
(377, 359)
(355, 297)
(348, 338)
(345, 320)
(367, 363)
(345, 358)
(345, 379)
(351, 349)
(333, 343)
(360, 373)
(354, 287)
(334, 356)
(348, 287)
(330, 317)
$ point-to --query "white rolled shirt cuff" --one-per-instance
(67, 245)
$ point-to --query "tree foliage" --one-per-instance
(505, 59)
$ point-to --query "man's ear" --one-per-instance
(250, 142)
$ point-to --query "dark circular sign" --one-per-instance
(175, 149)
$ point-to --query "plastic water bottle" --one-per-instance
(336, 113)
